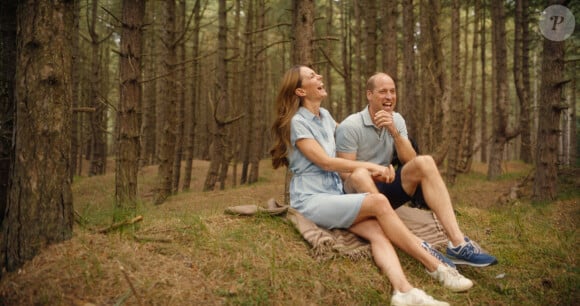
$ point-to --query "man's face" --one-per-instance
(383, 96)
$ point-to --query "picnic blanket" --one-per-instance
(326, 244)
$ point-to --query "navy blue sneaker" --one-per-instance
(469, 253)
(437, 254)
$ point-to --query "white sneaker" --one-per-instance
(414, 297)
(451, 279)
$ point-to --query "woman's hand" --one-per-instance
(384, 174)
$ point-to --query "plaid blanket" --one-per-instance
(326, 244)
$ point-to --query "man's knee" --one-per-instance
(425, 163)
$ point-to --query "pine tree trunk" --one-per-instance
(169, 102)
(222, 107)
(191, 114)
(483, 115)
(180, 96)
(40, 210)
(7, 102)
(369, 11)
(501, 131)
(410, 98)
(129, 110)
(546, 173)
(303, 31)
(521, 50)
(456, 107)
(98, 152)
(389, 38)
(259, 124)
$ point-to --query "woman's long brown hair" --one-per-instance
(287, 104)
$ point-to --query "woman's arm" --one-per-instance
(314, 152)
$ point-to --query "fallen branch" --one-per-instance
(120, 224)
(130, 284)
(152, 239)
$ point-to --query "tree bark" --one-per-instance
(501, 131)
(7, 100)
(303, 34)
(551, 106)
(222, 106)
(369, 18)
(521, 76)
(98, 149)
(483, 115)
(191, 114)
(179, 94)
(40, 210)
(434, 136)
(389, 37)
(259, 124)
(410, 99)
(169, 102)
(149, 99)
(456, 105)
(129, 110)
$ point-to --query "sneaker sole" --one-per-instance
(464, 262)
(457, 290)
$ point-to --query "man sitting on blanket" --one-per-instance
(374, 134)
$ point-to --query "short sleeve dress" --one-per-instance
(314, 192)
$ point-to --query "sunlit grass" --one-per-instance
(188, 252)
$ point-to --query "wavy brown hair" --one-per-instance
(287, 104)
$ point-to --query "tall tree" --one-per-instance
(149, 102)
(389, 37)
(169, 104)
(369, 18)
(221, 109)
(483, 64)
(98, 145)
(249, 98)
(502, 133)
(180, 86)
(190, 113)
(129, 110)
(468, 134)
(40, 210)
(346, 58)
(522, 76)
(434, 108)
(303, 31)
(410, 93)
(551, 107)
(259, 124)
(7, 103)
(456, 108)
(76, 81)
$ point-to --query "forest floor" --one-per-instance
(187, 251)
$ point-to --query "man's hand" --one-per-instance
(384, 119)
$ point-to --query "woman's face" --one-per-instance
(312, 86)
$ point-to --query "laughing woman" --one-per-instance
(304, 142)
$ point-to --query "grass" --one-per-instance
(188, 252)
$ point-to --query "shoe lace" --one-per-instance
(453, 273)
(433, 252)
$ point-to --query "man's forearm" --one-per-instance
(404, 148)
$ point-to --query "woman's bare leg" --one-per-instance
(376, 206)
(383, 252)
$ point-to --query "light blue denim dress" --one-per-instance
(316, 193)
